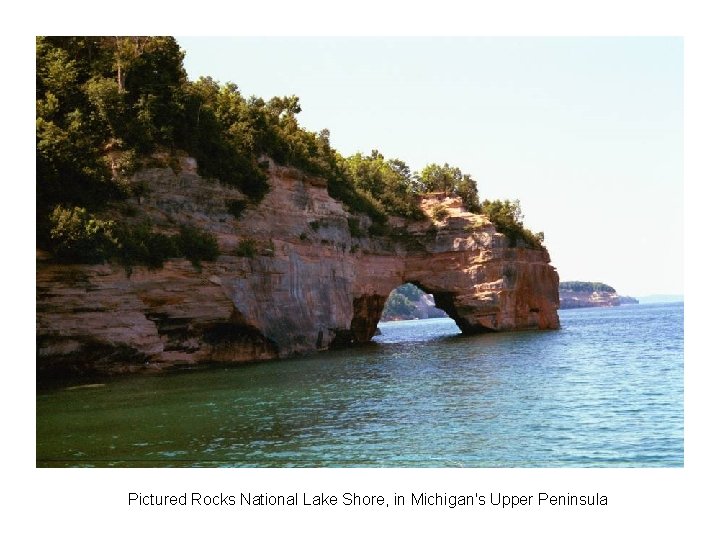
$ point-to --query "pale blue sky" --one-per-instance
(586, 132)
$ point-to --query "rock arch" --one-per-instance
(316, 283)
(482, 291)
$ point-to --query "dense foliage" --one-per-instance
(452, 181)
(403, 304)
(399, 305)
(508, 219)
(389, 182)
(141, 245)
(77, 235)
(585, 286)
(197, 245)
(106, 105)
(410, 291)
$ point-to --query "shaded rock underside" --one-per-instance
(310, 284)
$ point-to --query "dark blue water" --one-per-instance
(605, 390)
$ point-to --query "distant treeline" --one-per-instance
(401, 302)
(410, 302)
(107, 106)
(585, 286)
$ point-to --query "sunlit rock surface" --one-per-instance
(310, 285)
(571, 299)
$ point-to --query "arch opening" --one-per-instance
(409, 302)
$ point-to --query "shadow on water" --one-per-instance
(430, 332)
(420, 394)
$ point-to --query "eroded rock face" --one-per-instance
(309, 285)
(582, 299)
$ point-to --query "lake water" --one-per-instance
(605, 390)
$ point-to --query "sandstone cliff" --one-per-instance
(308, 285)
(579, 294)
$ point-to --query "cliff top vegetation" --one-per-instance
(107, 106)
(585, 286)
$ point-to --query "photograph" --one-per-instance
(360, 252)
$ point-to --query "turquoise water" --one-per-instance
(605, 390)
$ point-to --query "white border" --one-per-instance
(643, 503)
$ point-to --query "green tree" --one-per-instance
(452, 181)
(507, 217)
(389, 182)
(410, 291)
(398, 306)
(81, 237)
(105, 102)
(70, 168)
(108, 103)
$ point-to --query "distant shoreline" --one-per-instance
(661, 298)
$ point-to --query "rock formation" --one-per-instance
(581, 294)
(308, 283)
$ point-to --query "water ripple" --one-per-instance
(605, 390)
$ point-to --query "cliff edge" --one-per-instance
(582, 294)
(296, 273)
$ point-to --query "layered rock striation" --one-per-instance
(581, 294)
(307, 284)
